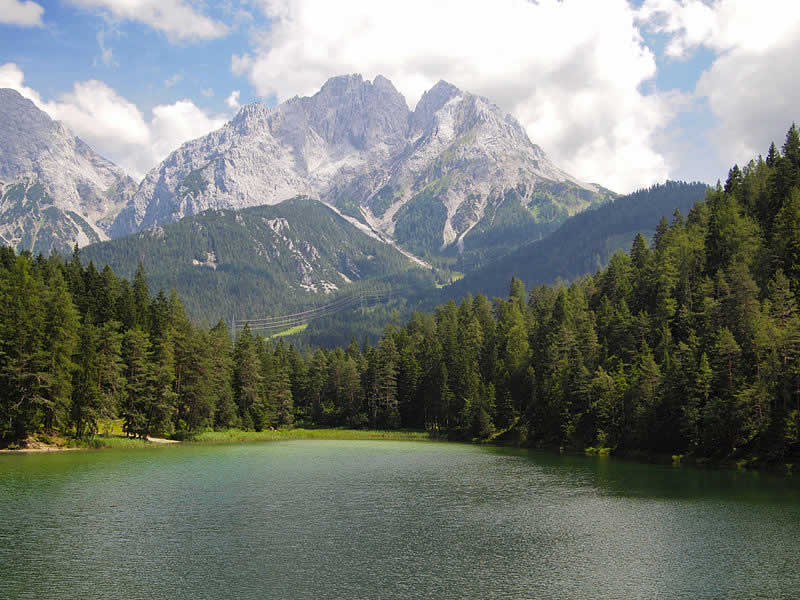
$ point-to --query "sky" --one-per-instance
(624, 93)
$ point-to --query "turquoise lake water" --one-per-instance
(380, 519)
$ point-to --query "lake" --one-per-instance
(380, 519)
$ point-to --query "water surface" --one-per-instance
(379, 519)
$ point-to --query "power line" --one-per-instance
(281, 322)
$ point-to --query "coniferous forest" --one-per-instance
(688, 344)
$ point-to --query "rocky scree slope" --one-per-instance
(55, 191)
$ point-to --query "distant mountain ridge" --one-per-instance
(55, 191)
(456, 181)
(426, 178)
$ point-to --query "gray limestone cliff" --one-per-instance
(444, 168)
(54, 189)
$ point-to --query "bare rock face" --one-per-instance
(466, 153)
(356, 146)
(52, 181)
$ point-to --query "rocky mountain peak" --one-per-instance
(431, 102)
(20, 115)
(25, 132)
(349, 110)
(356, 146)
(436, 97)
(341, 85)
(51, 182)
(250, 114)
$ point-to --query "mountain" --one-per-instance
(299, 254)
(261, 261)
(55, 191)
(438, 180)
(584, 243)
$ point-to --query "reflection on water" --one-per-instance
(330, 519)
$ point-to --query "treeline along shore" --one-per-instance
(688, 345)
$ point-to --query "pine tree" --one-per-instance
(699, 396)
(351, 393)
(23, 360)
(282, 398)
(517, 292)
(159, 406)
(140, 296)
(606, 406)
(734, 181)
(772, 155)
(111, 381)
(646, 390)
(247, 379)
(787, 236)
(791, 147)
(317, 376)
(98, 381)
(388, 411)
(137, 358)
(640, 254)
(220, 376)
(86, 396)
(75, 282)
(60, 338)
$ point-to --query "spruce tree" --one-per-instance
(138, 372)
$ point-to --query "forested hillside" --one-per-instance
(583, 244)
(276, 260)
(260, 261)
(690, 345)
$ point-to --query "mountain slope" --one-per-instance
(54, 189)
(584, 243)
(425, 178)
(260, 261)
(31, 220)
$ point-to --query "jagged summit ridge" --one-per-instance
(61, 172)
(355, 145)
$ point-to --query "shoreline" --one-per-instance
(230, 436)
(238, 436)
(43, 450)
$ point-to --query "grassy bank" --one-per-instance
(111, 438)
(55, 443)
(238, 435)
(113, 441)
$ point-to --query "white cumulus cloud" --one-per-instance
(233, 100)
(116, 127)
(11, 76)
(16, 12)
(178, 19)
(750, 87)
(174, 124)
(572, 71)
